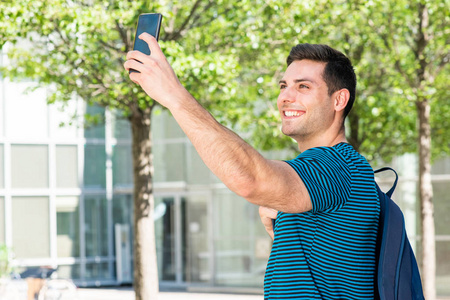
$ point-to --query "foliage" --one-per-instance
(78, 48)
(415, 52)
(231, 58)
(5, 256)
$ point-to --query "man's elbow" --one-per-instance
(246, 188)
(247, 191)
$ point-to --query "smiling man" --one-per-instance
(326, 225)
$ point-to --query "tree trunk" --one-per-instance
(426, 201)
(146, 284)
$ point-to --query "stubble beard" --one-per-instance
(299, 132)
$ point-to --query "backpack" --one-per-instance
(397, 273)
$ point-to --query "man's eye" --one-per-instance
(303, 86)
(282, 87)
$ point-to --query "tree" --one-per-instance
(415, 40)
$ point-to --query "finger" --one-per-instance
(268, 212)
(133, 64)
(137, 55)
(268, 226)
(155, 50)
(135, 77)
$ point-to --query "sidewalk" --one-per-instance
(128, 294)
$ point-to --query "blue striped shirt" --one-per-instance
(328, 252)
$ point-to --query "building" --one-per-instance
(66, 201)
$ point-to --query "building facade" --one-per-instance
(66, 200)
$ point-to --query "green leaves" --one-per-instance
(5, 257)
(230, 55)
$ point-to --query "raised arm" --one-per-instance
(239, 166)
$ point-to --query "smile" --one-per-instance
(293, 113)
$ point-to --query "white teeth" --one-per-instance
(291, 113)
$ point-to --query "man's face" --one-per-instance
(305, 107)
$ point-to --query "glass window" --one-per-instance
(95, 122)
(69, 271)
(169, 161)
(29, 166)
(97, 271)
(157, 125)
(122, 161)
(30, 226)
(195, 239)
(96, 229)
(67, 226)
(235, 263)
(2, 220)
(2, 180)
(242, 247)
(2, 101)
(164, 126)
(443, 267)
(121, 127)
(442, 166)
(123, 209)
(406, 197)
(66, 167)
(94, 166)
(441, 207)
(123, 214)
(233, 215)
(197, 171)
(65, 121)
(165, 237)
(27, 115)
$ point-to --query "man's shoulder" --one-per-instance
(341, 157)
(336, 152)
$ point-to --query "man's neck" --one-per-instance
(321, 141)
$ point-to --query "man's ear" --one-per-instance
(341, 98)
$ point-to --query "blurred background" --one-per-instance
(70, 120)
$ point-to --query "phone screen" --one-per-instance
(150, 23)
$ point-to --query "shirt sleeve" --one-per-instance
(326, 176)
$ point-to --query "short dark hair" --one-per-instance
(338, 72)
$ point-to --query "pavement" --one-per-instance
(18, 289)
(121, 293)
(128, 294)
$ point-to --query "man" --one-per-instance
(326, 228)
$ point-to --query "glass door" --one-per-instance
(165, 234)
(196, 241)
(182, 234)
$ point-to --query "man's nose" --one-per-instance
(287, 95)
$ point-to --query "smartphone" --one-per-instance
(150, 23)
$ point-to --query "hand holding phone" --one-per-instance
(150, 23)
(153, 72)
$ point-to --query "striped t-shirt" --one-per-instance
(328, 252)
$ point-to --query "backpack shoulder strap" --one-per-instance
(391, 191)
